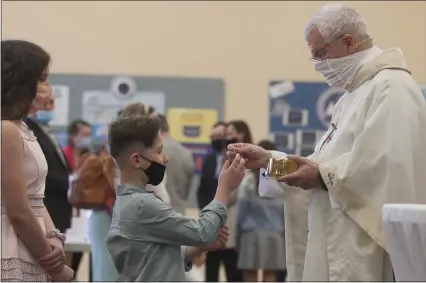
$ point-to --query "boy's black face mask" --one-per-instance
(155, 172)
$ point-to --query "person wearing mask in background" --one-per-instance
(55, 198)
(259, 229)
(211, 166)
(235, 131)
(79, 138)
(180, 168)
(372, 154)
(31, 246)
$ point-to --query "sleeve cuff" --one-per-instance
(278, 154)
(323, 185)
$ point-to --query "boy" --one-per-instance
(146, 237)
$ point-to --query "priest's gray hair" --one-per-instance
(334, 20)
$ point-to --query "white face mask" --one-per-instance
(340, 72)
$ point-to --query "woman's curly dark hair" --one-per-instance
(22, 65)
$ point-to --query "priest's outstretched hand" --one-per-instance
(307, 175)
(254, 156)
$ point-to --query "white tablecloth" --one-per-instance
(405, 230)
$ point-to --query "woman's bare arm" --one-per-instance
(48, 223)
(14, 192)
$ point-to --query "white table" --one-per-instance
(405, 230)
(79, 244)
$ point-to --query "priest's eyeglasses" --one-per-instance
(319, 55)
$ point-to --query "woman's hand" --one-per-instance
(65, 275)
(55, 260)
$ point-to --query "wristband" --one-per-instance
(55, 233)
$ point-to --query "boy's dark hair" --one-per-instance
(22, 66)
(165, 124)
(137, 109)
(125, 131)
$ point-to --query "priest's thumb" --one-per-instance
(298, 159)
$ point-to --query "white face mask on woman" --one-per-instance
(340, 72)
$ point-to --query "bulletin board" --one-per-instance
(299, 114)
(192, 105)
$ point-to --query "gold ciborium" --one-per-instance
(278, 167)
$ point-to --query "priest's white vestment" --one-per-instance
(373, 153)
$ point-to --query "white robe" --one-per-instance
(376, 156)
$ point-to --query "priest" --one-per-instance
(372, 154)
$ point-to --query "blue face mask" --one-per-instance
(44, 117)
(84, 142)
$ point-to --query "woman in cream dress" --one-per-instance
(31, 247)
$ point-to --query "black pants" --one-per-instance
(75, 262)
(281, 275)
(229, 257)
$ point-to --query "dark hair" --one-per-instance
(74, 128)
(137, 109)
(22, 66)
(220, 123)
(267, 144)
(165, 124)
(241, 127)
(128, 130)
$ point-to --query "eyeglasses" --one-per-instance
(318, 54)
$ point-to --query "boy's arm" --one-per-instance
(159, 223)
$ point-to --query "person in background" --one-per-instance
(211, 166)
(234, 131)
(32, 248)
(55, 198)
(180, 168)
(259, 229)
(79, 137)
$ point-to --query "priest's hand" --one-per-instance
(306, 176)
(254, 156)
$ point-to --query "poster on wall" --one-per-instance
(299, 114)
(101, 106)
(192, 127)
(62, 101)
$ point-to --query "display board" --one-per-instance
(192, 105)
(299, 114)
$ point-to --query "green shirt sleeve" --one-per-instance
(159, 223)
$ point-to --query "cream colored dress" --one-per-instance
(17, 262)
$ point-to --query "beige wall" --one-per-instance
(245, 43)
